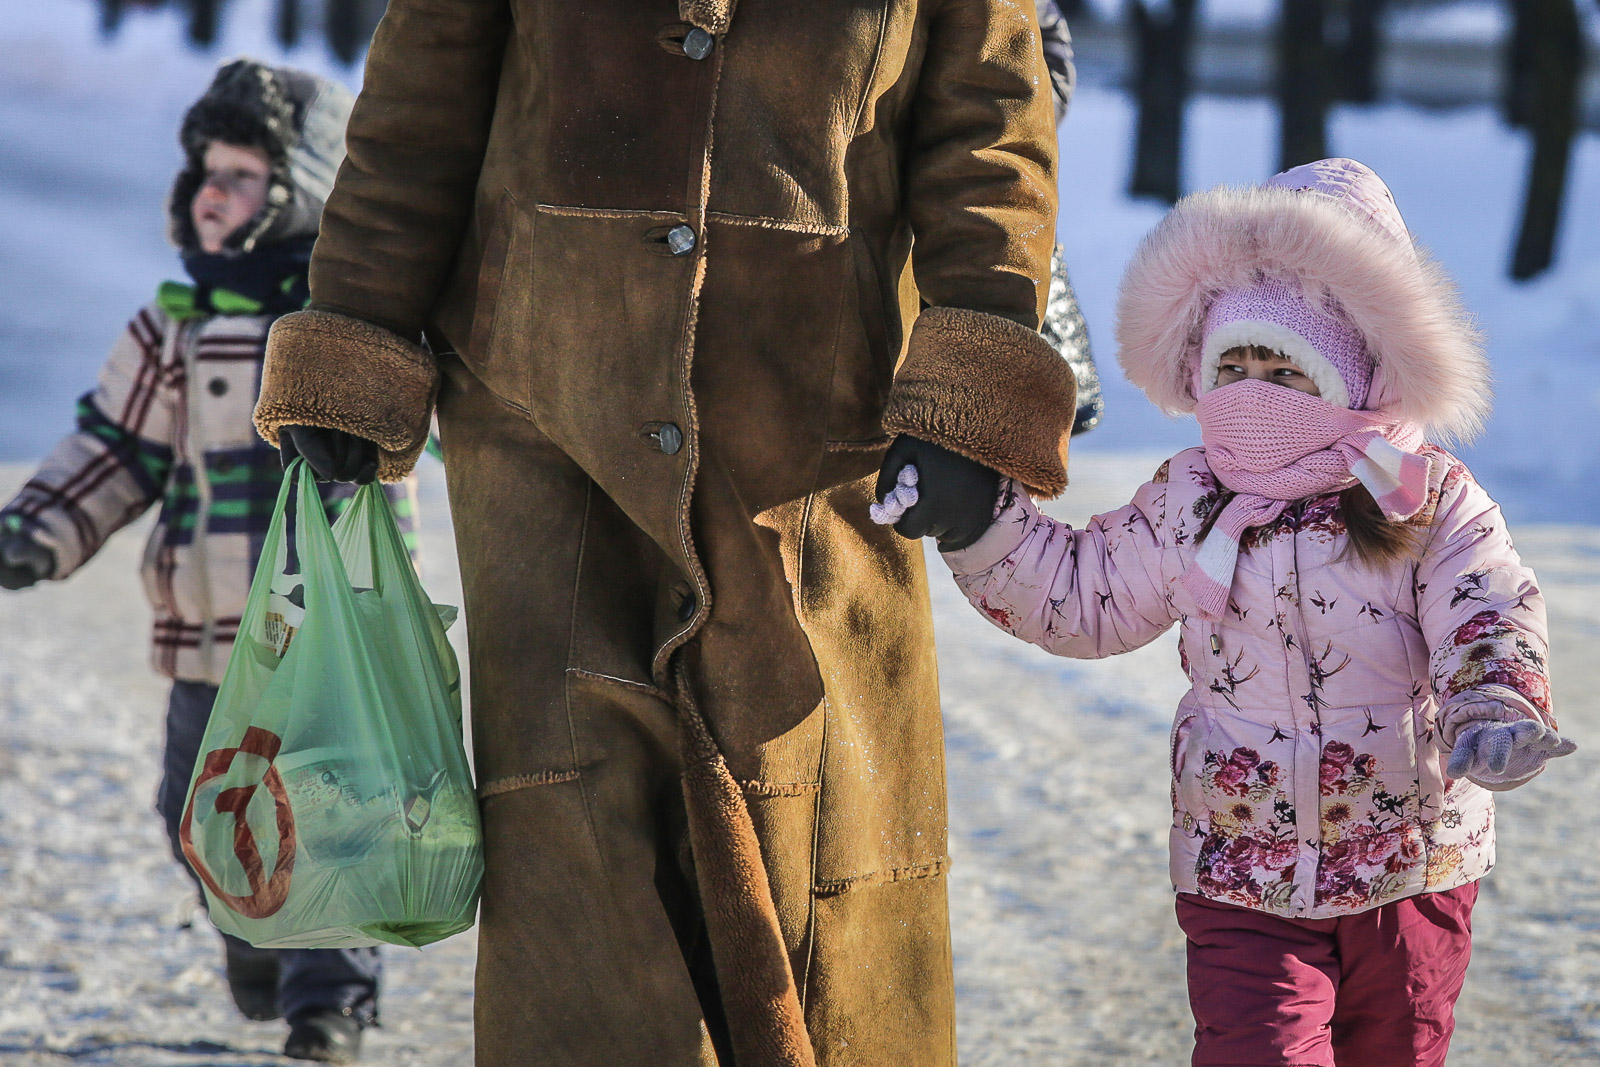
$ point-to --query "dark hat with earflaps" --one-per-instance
(295, 118)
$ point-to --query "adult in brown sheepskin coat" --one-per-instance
(671, 274)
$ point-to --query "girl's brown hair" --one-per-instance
(1373, 539)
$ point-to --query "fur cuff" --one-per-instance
(990, 389)
(335, 371)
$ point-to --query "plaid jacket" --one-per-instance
(170, 423)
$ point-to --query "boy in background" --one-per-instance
(170, 422)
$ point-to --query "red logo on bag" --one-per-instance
(266, 894)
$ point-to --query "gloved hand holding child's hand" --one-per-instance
(24, 561)
(1496, 745)
(334, 455)
(946, 496)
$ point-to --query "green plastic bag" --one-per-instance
(332, 805)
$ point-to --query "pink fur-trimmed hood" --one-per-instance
(1333, 228)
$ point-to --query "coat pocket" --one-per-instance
(867, 348)
(504, 303)
(1431, 759)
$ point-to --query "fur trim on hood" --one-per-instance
(296, 118)
(1429, 363)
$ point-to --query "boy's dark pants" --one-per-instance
(344, 980)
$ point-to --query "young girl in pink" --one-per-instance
(1365, 650)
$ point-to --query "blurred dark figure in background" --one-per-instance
(1063, 324)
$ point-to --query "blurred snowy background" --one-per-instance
(1066, 950)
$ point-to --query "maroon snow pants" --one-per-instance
(1376, 989)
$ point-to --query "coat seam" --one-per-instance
(803, 981)
(623, 683)
(767, 222)
(691, 414)
(515, 782)
(566, 689)
(839, 886)
(572, 621)
(779, 789)
(871, 444)
(580, 212)
(872, 74)
(511, 405)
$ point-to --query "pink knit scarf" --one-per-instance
(1272, 446)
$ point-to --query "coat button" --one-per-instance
(697, 43)
(217, 386)
(680, 239)
(667, 437)
(670, 241)
(686, 606)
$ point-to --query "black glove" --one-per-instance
(334, 455)
(24, 561)
(955, 495)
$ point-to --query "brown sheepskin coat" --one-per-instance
(671, 273)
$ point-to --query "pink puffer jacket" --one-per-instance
(1306, 778)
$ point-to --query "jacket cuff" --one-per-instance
(1015, 516)
(992, 390)
(1496, 703)
(66, 552)
(342, 373)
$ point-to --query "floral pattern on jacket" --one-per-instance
(1307, 780)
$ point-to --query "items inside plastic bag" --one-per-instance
(332, 804)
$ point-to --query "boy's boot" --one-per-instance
(328, 995)
(252, 979)
(324, 1035)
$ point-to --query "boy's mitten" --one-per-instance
(24, 561)
(334, 455)
(1492, 741)
(954, 501)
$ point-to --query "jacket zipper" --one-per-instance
(202, 517)
(1307, 778)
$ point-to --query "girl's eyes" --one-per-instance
(1286, 372)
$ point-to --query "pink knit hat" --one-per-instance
(1319, 253)
(1274, 313)
(1354, 185)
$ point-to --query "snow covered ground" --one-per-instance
(1066, 949)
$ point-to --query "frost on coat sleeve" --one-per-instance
(1480, 609)
(1083, 593)
(103, 476)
